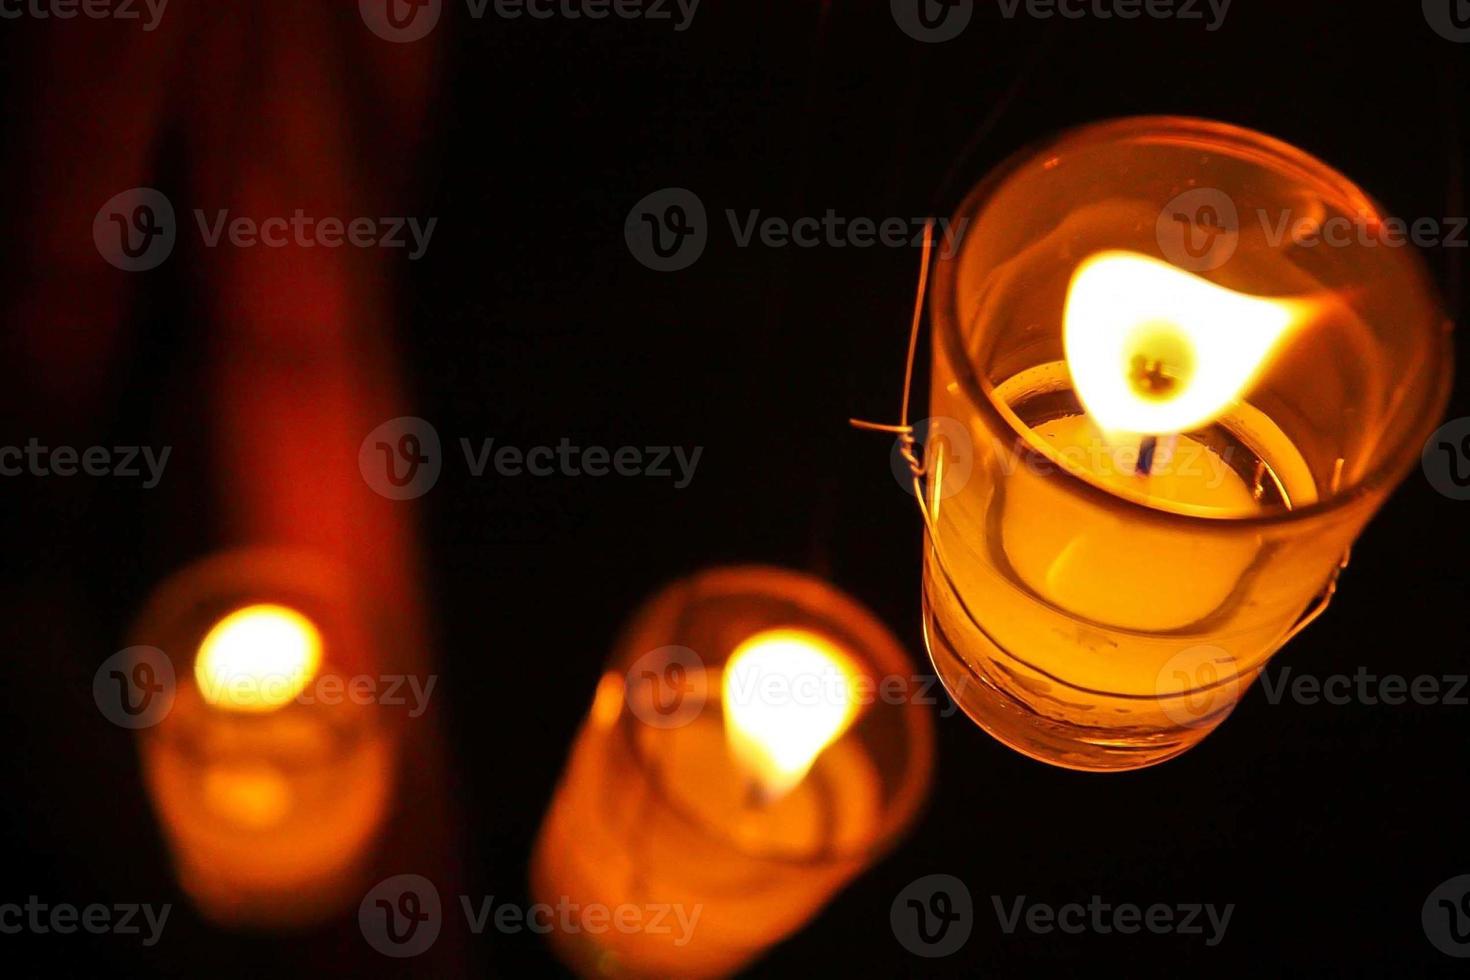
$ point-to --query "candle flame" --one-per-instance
(258, 658)
(1154, 350)
(787, 695)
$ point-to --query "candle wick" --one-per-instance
(1146, 450)
(755, 795)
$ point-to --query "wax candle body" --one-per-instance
(1099, 568)
(1075, 629)
(688, 834)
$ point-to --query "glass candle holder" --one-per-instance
(658, 810)
(269, 781)
(1100, 601)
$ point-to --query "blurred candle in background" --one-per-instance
(740, 764)
(270, 781)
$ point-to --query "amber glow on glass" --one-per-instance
(256, 796)
(678, 808)
(1102, 602)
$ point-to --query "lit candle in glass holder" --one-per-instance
(738, 767)
(269, 784)
(1182, 407)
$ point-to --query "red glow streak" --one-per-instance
(273, 106)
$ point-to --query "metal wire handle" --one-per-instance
(903, 429)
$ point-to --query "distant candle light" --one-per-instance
(787, 695)
(774, 779)
(258, 658)
(271, 801)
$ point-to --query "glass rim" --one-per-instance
(1003, 423)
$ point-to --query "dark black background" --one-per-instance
(529, 321)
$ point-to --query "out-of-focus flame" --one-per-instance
(787, 695)
(1154, 350)
(258, 658)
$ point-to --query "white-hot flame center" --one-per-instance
(1155, 350)
(258, 658)
(787, 695)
